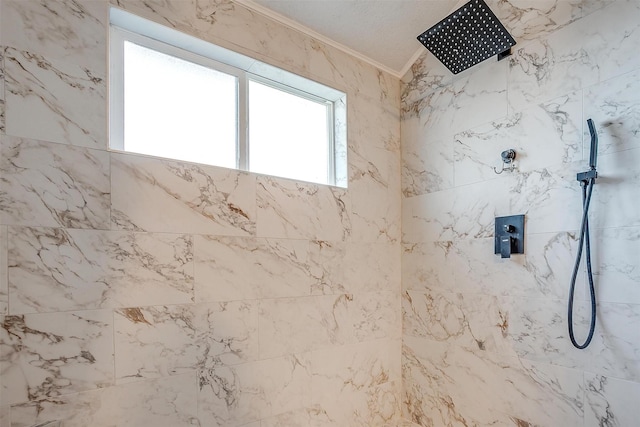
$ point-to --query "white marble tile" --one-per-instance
(375, 213)
(544, 271)
(51, 185)
(298, 325)
(154, 342)
(427, 163)
(372, 267)
(609, 401)
(614, 108)
(4, 284)
(475, 322)
(376, 315)
(166, 402)
(339, 268)
(233, 268)
(359, 374)
(373, 126)
(52, 269)
(488, 389)
(590, 6)
(5, 417)
(527, 20)
(331, 270)
(312, 416)
(68, 101)
(241, 394)
(2, 95)
(424, 76)
(545, 135)
(470, 211)
(615, 344)
(96, 408)
(427, 265)
(484, 91)
(227, 332)
(48, 355)
(72, 31)
(426, 218)
(616, 270)
(537, 330)
(296, 210)
(617, 189)
(176, 14)
(590, 50)
(429, 398)
(151, 194)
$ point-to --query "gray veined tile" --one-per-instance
(171, 13)
(427, 163)
(52, 269)
(616, 342)
(295, 210)
(235, 268)
(543, 271)
(4, 284)
(427, 265)
(526, 20)
(2, 96)
(242, 394)
(616, 192)
(360, 374)
(535, 393)
(544, 135)
(74, 31)
(613, 106)
(48, 355)
(154, 342)
(161, 341)
(616, 273)
(68, 101)
(610, 401)
(425, 75)
(150, 193)
(52, 185)
(96, 408)
(166, 402)
(590, 50)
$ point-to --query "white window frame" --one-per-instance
(127, 27)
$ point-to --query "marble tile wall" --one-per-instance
(137, 291)
(485, 340)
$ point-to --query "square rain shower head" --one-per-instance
(467, 37)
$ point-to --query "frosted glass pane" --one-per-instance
(288, 135)
(178, 109)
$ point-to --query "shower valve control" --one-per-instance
(509, 235)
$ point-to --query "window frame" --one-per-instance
(167, 41)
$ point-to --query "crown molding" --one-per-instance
(308, 31)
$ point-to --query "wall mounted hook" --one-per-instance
(508, 157)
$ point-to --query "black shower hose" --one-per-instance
(584, 241)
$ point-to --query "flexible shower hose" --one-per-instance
(587, 189)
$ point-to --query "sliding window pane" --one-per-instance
(288, 135)
(178, 109)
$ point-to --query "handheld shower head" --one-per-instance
(594, 144)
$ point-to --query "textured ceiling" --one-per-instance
(383, 31)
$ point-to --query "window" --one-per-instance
(175, 96)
